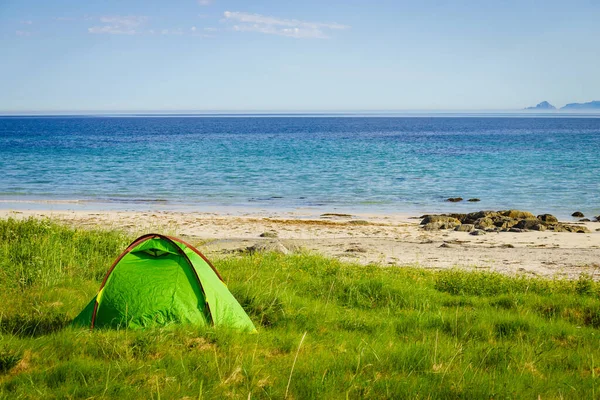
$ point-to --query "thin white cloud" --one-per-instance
(27, 22)
(23, 33)
(137, 25)
(177, 31)
(205, 2)
(130, 21)
(119, 25)
(247, 22)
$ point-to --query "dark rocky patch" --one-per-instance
(434, 226)
(577, 214)
(443, 221)
(472, 217)
(498, 221)
(518, 214)
(505, 223)
(529, 223)
(474, 200)
(484, 223)
(548, 219)
(454, 199)
(459, 217)
(571, 228)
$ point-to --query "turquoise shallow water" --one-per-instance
(372, 164)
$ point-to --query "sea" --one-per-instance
(384, 163)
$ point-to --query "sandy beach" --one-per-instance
(387, 240)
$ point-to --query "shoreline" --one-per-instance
(383, 239)
(143, 205)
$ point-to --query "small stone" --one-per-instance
(585, 220)
(515, 230)
(508, 246)
(577, 214)
(539, 227)
(548, 219)
(459, 217)
(505, 222)
(571, 228)
(446, 245)
(432, 226)
(356, 249)
(529, 223)
(275, 246)
(472, 217)
(477, 232)
(268, 234)
(433, 222)
(518, 214)
(454, 199)
(473, 200)
(484, 223)
(465, 228)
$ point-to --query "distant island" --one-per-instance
(592, 105)
(545, 106)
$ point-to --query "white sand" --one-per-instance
(387, 240)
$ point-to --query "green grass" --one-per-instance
(371, 332)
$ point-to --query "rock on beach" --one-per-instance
(501, 221)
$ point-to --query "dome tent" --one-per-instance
(159, 280)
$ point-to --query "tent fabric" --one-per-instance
(160, 280)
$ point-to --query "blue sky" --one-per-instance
(68, 55)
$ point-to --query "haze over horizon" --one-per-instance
(223, 55)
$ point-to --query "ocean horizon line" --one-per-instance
(304, 113)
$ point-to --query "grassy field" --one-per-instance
(326, 330)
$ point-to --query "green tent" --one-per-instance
(159, 280)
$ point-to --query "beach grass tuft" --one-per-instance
(326, 329)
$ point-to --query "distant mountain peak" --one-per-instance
(592, 105)
(544, 105)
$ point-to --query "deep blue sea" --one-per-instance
(352, 163)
